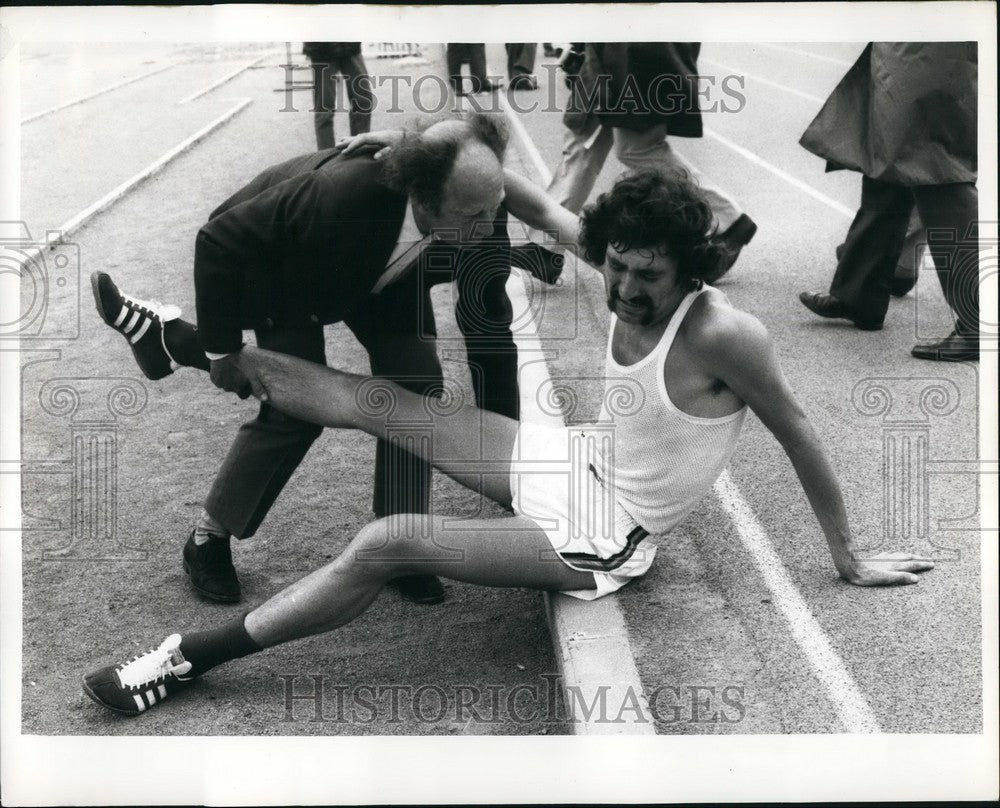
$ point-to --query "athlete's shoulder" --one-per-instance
(716, 329)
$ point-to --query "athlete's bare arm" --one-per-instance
(737, 349)
(537, 209)
(523, 198)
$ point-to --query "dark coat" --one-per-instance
(330, 51)
(305, 242)
(904, 113)
(637, 85)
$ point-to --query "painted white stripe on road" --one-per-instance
(591, 638)
(808, 54)
(853, 709)
(529, 145)
(113, 196)
(226, 78)
(761, 80)
(805, 187)
(102, 91)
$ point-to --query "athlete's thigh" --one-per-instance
(510, 551)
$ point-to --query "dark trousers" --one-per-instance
(397, 329)
(875, 241)
(520, 58)
(457, 54)
(359, 93)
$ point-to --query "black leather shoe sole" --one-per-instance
(833, 309)
(208, 594)
(423, 589)
(946, 351)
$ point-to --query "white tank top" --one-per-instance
(662, 461)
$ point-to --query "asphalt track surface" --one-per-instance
(740, 627)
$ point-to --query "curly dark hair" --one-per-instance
(651, 209)
(419, 166)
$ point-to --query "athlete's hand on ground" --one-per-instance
(386, 138)
(887, 569)
(226, 375)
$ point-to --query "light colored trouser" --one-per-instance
(584, 155)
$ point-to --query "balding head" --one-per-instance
(453, 173)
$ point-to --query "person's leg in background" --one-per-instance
(650, 149)
(262, 458)
(324, 103)
(477, 69)
(910, 257)
(860, 289)
(950, 214)
(359, 91)
(583, 157)
(521, 65)
(456, 54)
(397, 330)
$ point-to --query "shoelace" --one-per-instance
(151, 667)
(152, 308)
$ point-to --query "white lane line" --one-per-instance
(808, 54)
(228, 77)
(853, 709)
(791, 180)
(595, 659)
(529, 145)
(102, 91)
(113, 196)
(739, 71)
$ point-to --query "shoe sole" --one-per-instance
(97, 700)
(856, 323)
(205, 593)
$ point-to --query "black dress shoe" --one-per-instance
(953, 348)
(829, 306)
(523, 81)
(544, 264)
(425, 589)
(210, 568)
(733, 240)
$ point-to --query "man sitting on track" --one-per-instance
(694, 364)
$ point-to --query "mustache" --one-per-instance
(641, 300)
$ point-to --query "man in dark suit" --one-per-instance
(322, 239)
(905, 117)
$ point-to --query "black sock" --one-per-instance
(206, 649)
(181, 339)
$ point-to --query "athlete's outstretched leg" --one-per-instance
(472, 446)
(492, 552)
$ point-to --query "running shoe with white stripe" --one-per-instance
(139, 321)
(142, 682)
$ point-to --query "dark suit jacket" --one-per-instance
(904, 113)
(304, 244)
(637, 85)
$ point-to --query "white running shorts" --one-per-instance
(554, 482)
